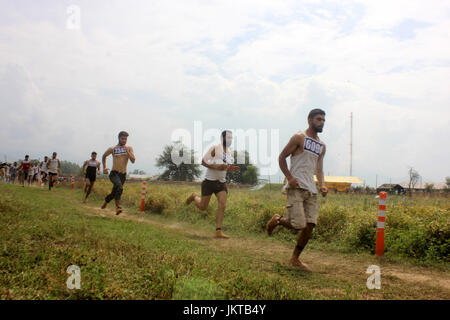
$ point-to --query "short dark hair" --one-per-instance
(315, 112)
(224, 133)
(93, 152)
(27, 156)
(123, 134)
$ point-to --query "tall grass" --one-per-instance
(417, 228)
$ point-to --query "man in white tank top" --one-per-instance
(218, 160)
(302, 210)
(44, 170)
(54, 166)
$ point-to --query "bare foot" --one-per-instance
(118, 211)
(221, 235)
(104, 205)
(297, 263)
(191, 198)
(272, 224)
(85, 200)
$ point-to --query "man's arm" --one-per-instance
(84, 166)
(130, 152)
(319, 173)
(295, 141)
(106, 154)
(209, 156)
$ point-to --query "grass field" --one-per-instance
(169, 252)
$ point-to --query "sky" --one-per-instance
(75, 73)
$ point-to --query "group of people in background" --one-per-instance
(32, 172)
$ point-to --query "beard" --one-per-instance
(317, 129)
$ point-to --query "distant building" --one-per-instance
(422, 186)
(391, 188)
(141, 176)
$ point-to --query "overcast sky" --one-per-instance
(151, 67)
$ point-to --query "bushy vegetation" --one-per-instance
(416, 228)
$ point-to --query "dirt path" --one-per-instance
(412, 282)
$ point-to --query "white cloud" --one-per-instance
(156, 66)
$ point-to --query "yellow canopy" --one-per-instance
(340, 183)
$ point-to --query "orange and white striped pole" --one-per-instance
(143, 192)
(379, 251)
(72, 179)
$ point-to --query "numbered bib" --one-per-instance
(313, 146)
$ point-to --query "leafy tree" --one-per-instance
(247, 174)
(178, 172)
(137, 171)
(447, 182)
(429, 187)
(68, 168)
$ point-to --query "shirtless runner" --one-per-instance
(121, 153)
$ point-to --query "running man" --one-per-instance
(53, 167)
(35, 170)
(120, 153)
(218, 160)
(13, 172)
(44, 170)
(25, 168)
(93, 167)
(307, 152)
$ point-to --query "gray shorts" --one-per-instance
(302, 207)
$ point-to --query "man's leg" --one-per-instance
(203, 201)
(91, 186)
(118, 196)
(200, 202)
(222, 203)
(302, 240)
(114, 178)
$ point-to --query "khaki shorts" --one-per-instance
(302, 207)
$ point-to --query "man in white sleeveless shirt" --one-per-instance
(302, 210)
(218, 160)
(44, 170)
(53, 167)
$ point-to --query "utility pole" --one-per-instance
(351, 142)
(376, 181)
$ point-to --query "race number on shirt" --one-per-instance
(313, 146)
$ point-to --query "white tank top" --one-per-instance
(53, 167)
(303, 165)
(220, 157)
(44, 166)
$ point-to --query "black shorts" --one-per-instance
(91, 176)
(52, 174)
(213, 186)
